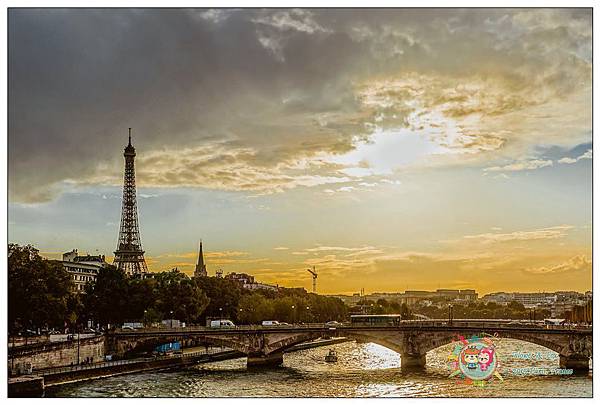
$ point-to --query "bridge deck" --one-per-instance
(472, 326)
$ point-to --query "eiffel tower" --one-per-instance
(129, 255)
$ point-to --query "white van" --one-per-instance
(270, 323)
(221, 323)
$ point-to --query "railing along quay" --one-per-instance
(114, 363)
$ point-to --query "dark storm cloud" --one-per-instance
(268, 87)
(79, 78)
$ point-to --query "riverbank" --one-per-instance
(32, 386)
(118, 368)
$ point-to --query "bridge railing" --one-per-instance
(469, 323)
(113, 363)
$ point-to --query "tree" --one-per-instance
(382, 302)
(284, 309)
(76, 312)
(38, 289)
(151, 316)
(514, 305)
(224, 296)
(180, 296)
(405, 312)
(255, 308)
(142, 297)
(107, 298)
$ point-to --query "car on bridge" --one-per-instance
(221, 323)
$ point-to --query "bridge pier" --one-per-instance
(412, 361)
(264, 360)
(579, 363)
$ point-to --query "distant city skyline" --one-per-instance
(392, 149)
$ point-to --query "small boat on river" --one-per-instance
(331, 356)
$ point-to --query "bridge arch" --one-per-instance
(431, 341)
(391, 344)
(275, 346)
(131, 347)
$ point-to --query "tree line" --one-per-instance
(381, 307)
(482, 310)
(40, 297)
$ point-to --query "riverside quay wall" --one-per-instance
(57, 354)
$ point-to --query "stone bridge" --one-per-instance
(412, 340)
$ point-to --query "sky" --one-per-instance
(396, 149)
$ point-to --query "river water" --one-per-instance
(362, 370)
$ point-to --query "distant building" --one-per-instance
(534, 299)
(567, 301)
(559, 308)
(467, 295)
(447, 293)
(412, 297)
(200, 270)
(457, 295)
(83, 269)
(528, 300)
(568, 295)
(261, 286)
(241, 278)
(247, 282)
(580, 313)
(500, 298)
(573, 297)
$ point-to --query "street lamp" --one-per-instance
(77, 326)
(293, 314)
(450, 313)
(220, 313)
(171, 320)
(145, 317)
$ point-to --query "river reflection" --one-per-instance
(363, 370)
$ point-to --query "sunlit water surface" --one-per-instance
(363, 370)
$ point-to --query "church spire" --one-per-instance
(200, 266)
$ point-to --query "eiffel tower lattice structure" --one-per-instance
(129, 255)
